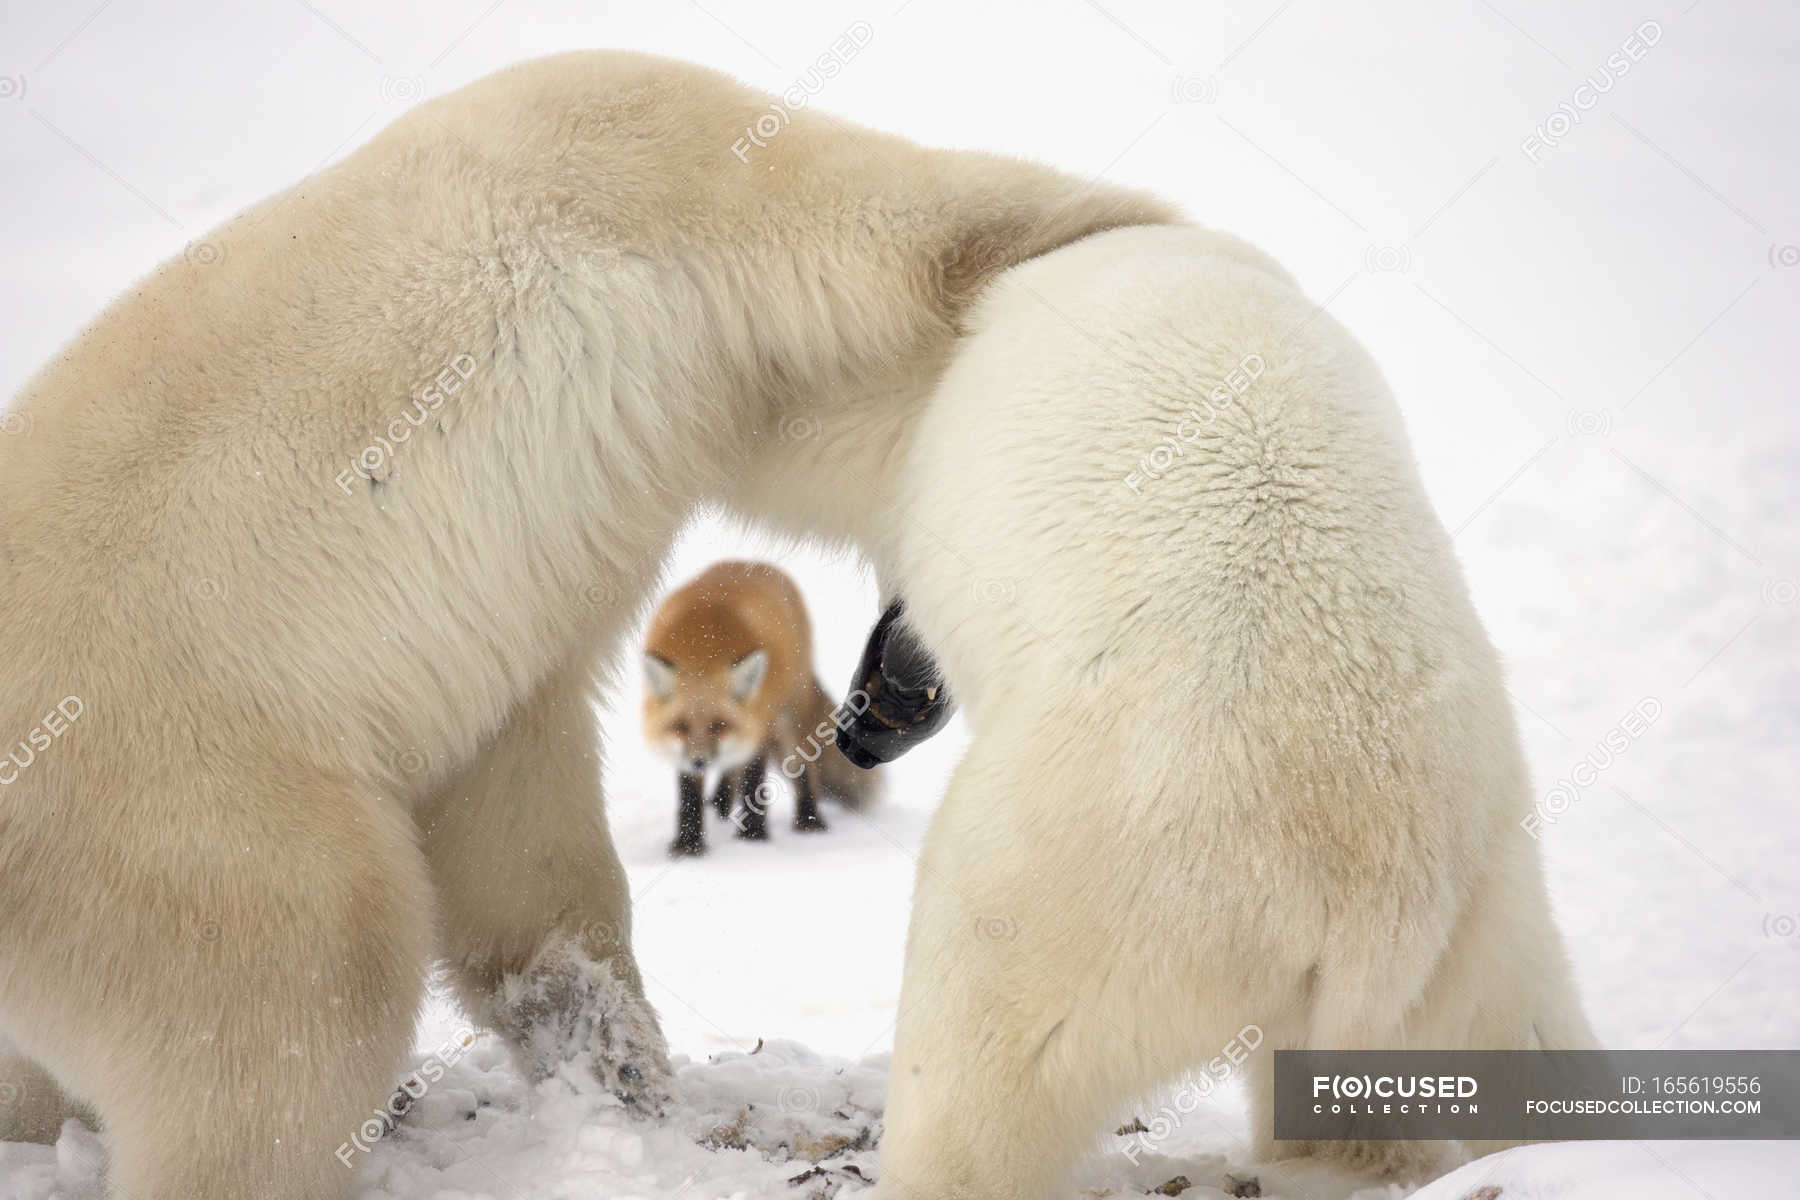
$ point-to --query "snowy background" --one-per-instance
(1590, 326)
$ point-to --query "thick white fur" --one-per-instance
(331, 729)
(1241, 755)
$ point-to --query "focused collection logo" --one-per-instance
(1390, 1094)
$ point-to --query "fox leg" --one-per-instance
(690, 815)
(535, 909)
(753, 820)
(725, 794)
(806, 803)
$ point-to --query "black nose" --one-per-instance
(906, 700)
(697, 763)
(850, 743)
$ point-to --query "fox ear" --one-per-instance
(747, 674)
(659, 676)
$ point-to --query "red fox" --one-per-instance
(729, 688)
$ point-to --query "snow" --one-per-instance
(1636, 1170)
(1594, 352)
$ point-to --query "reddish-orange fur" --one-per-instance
(703, 643)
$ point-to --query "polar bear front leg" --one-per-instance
(534, 909)
(1015, 1033)
(568, 1006)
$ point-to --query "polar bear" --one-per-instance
(320, 533)
(1241, 753)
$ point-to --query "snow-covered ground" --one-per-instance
(1590, 327)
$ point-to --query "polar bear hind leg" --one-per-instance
(1502, 982)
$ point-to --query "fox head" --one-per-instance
(705, 716)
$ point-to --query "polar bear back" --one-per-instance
(1185, 504)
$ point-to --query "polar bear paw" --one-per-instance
(569, 1010)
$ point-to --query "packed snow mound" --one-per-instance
(785, 1123)
(1626, 1171)
(782, 1121)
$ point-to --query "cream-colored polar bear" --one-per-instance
(309, 547)
(1241, 752)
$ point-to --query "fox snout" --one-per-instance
(695, 749)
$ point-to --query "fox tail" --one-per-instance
(837, 776)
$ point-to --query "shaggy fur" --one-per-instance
(1241, 756)
(326, 526)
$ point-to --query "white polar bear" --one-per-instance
(1242, 756)
(323, 530)
(320, 533)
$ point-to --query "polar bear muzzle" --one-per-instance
(907, 699)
